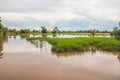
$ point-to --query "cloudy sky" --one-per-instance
(66, 14)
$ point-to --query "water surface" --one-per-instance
(68, 36)
(33, 60)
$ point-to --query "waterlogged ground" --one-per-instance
(67, 36)
(24, 60)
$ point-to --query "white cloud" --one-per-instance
(62, 9)
(53, 11)
(40, 16)
(13, 16)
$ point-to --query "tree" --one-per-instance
(0, 19)
(44, 30)
(116, 32)
(1, 26)
(13, 31)
(24, 31)
(3, 30)
(55, 30)
(93, 32)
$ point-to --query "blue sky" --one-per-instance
(65, 14)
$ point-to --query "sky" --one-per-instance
(65, 14)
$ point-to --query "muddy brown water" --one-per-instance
(24, 60)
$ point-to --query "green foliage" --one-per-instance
(1, 26)
(44, 30)
(84, 44)
(35, 31)
(3, 30)
(55, 30)
(116, 32)
(24, 31)
(13, 31)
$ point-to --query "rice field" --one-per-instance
(84, 44)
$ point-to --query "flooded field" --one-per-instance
(68, 36)
(33, 60)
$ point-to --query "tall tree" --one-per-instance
(55, 30)
(3, 30)
(0, 20)
(1, 26)
(44, 30)
(93, 32)
(116, 32)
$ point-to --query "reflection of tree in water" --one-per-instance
(3, 39)
(37, 43)
(119, 57)
(54, 35)
(14, 36)
(41, 44)
(24, 36)
(117, 54)
(44, 35)
(68, 54)
(1, 55)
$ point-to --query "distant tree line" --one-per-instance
(44, 30)
(4, 31)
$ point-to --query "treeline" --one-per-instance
(44, 30)
(27, 31)
(4, 31)
(22, 31)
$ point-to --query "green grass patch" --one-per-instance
(84, 44)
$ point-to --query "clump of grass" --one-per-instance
(84, 44)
